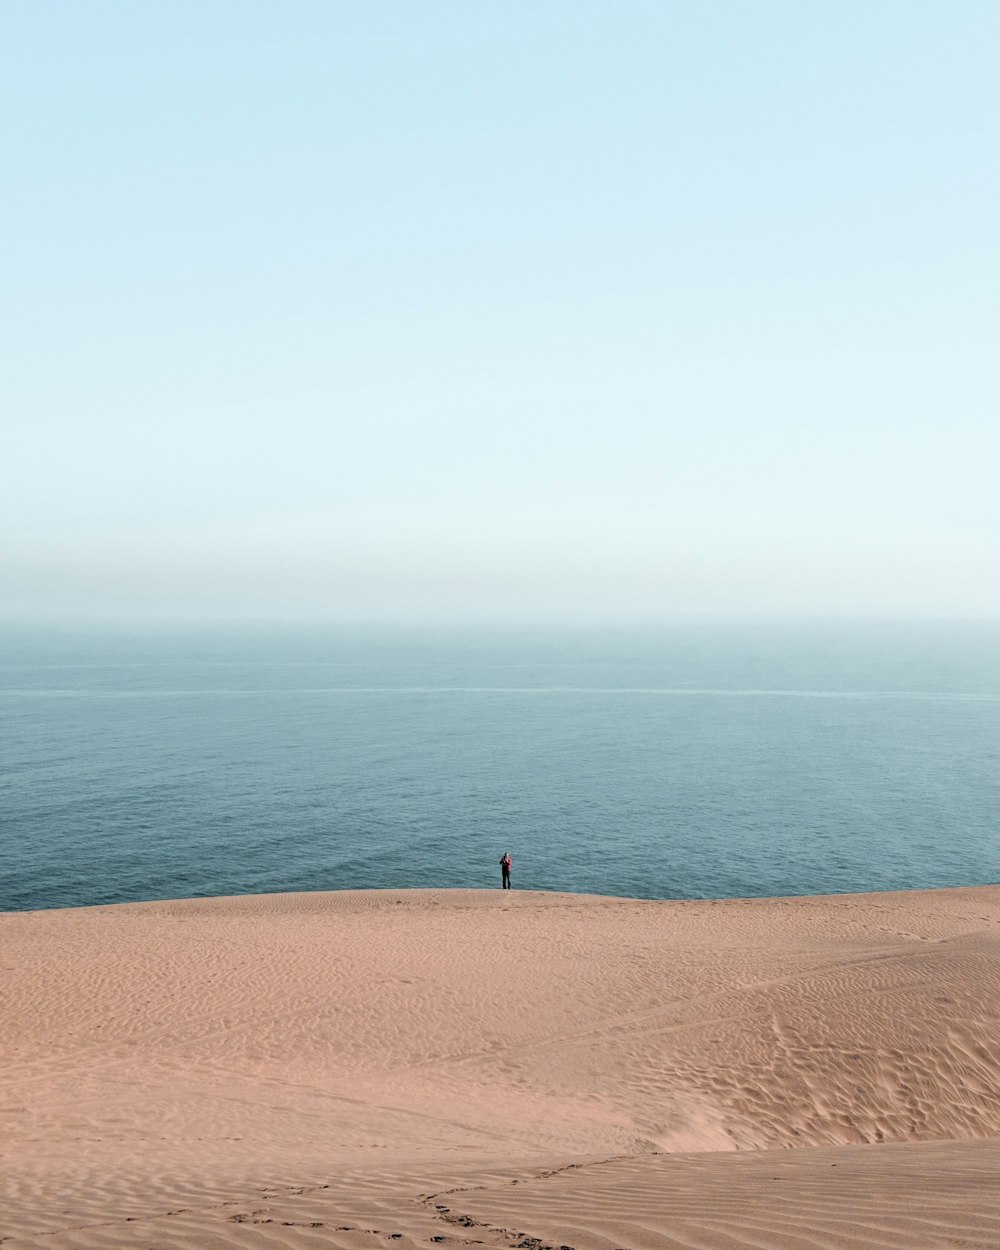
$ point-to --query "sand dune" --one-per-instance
(422, 1067)
(894, 1197)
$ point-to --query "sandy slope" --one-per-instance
(311, 1069)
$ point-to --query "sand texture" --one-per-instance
(508, 1069)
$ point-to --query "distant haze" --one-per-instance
(507, 311)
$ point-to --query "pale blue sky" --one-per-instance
(504, 310)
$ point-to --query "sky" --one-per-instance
(497, 311)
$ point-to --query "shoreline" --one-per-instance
(489, 890)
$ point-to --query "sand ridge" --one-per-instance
(360, 1051)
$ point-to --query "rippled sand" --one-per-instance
(428, 1068)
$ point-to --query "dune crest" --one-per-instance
(361, 1051)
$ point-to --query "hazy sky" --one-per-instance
(499, 309)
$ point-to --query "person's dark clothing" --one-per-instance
(505, 872)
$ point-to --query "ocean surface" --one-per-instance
(687, 761)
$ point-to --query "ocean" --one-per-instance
(690, 760)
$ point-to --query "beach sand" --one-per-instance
(506, 1069)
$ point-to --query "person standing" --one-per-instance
(505, 863)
